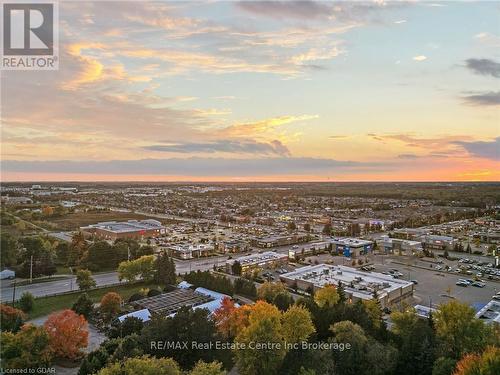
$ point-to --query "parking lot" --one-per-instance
(434, 286)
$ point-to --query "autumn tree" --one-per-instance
(68, 334)
(223, 317)
(77, 249)
(28, 348)
(264, 327)
(110, 305)
(326, 296)
(268, 291)
(297, 324)
(486, 363)
(85, 280)
(11, 319)
(143, 365)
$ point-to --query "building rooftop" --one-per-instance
(254, 259)
(490, 312)
(128, 226)
(361, 284)
(355, 242)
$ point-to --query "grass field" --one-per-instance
(73, 221)
(46, 305)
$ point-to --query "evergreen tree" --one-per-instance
(341, 292)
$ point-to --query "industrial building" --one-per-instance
(358, 285)
(351, 247)
(112, 230)
(253, 261)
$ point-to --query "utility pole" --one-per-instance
(14, 293)
(31, 269)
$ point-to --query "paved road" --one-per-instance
(51, 287)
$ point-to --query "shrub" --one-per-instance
(26, 302)
(11, 319)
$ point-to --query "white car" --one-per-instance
(7, 274)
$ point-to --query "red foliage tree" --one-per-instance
(110, 305)
(68, 334)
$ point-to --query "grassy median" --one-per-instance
(46, 305)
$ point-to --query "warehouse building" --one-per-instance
(358, 285)
(308, 249)
(255, 261)
(112, 230)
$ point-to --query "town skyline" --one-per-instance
(260, 91)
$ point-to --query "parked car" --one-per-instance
(7, 274)
(414, 282)
(462, 283)
(478, 284)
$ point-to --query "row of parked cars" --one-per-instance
(466, 282)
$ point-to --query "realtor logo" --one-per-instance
(29, 40)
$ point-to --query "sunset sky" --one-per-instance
(271, 91)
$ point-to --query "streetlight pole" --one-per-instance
(31, 269)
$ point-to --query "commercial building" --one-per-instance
(189, 251)
(435, 242)
(358, 285)
(233, 246)
(399, 246)
(308, 249)
(112, 230)
(280, 240)
(253, 261)
(351, 247)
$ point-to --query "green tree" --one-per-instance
(28, 348)
(85, 280)
(26, 302)
(83, 306)
(268, 291)
(236, 268)
(10, 250)
(142, 268)
(144, 366)
(165, 273)
(458, 330)
(415, 339)
(204, 368)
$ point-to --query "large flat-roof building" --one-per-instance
(266, 259)
(112, 230)
(358, 285)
